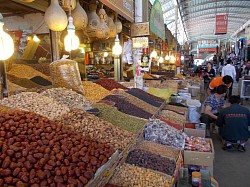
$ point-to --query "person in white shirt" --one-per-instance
(229, 69)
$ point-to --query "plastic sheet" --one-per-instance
(65, 73)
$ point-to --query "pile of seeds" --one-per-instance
(94, 92)
(129, 175)
(152, 100)
(67, 97)
(119, 119)
(34, 102)
(173, 117)
(128, 108)
(138, 102)
(23, 82)
(97, 128)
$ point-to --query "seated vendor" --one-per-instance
(233, 122)
(211, 106)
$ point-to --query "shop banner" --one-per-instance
(208, 50)
(140, 29)
(208, 44)
(247, 30)
(140, 42)
(124, 7)
(156, 20)
(221, 24)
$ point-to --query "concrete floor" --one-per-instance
(232, 169)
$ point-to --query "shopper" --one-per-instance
(220, 67)
(217, 81)
(208, 75)
(233, 122)
(229, 69)
(211, 107)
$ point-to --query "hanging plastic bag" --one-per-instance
(65, 73)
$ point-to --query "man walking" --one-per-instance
(229, 69)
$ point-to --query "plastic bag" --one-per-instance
(194, 116)
(65, 73)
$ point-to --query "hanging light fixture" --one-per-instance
(71, 41)
(117, 48)
(6, 42)
(153, 54)
(35, 38)
(167, 57)
(161, 60)
(105, 54)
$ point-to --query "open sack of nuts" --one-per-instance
(35, 151)
(65, 73)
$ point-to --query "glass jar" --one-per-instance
(196, 179)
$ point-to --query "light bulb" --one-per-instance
(161, 60)
(71, 41)
(6, 42)
(105, 54)
(166, 57)
(153, 54)
(36, 39)
(172, 58)
(117, 48)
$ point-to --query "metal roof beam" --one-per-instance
(241, 28)
(191, 3)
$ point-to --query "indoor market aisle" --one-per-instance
(231, 169)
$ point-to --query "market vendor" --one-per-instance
(233, 122)
(226, 80)
(211, 107)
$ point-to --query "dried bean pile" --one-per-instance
(119, 119)
(97, 128)
(38, 152)
(24, 71)
(35, 102)
(158, 149)
(145, 97)
(112, 185)
(159, 132)
(128, 108)
(110, 84)
(178, 109)
(138, 102)
(133, 176)
(94, 92)
(173, 117)
(67, 97)
(149, 160)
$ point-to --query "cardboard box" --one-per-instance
(200, 158)
(195, 132)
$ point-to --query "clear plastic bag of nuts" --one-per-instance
(65, 73)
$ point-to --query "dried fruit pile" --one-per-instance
(38, 152)
(173, 117)
(110, 84)
(149, 160)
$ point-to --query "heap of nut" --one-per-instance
(35, 102)
(129, 175)
(67, 97)
(173, 117)
(97, 128)
(35, 151)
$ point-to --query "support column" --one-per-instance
(54, 40)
